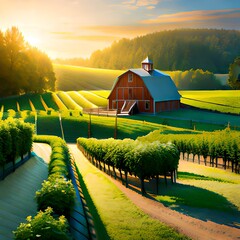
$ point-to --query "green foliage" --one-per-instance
(234, 74)
(23, 69)
(60, 156)
(145, 160)
(43, 226)
(182, 49)
(225, 144)
(15, 140)
(57, 193)
(195, 80)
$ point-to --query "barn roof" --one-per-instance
(159, 84)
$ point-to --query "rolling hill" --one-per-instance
(82, 78)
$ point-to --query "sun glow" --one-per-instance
(33, 40)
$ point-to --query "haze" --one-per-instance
(76, 28)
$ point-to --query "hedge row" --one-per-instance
(57, 192)
(220, 144)
(143, 160)
(55, 198)
(15, 140)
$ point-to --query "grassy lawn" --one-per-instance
(223, 101)
(203, 117)
(203, 187)
(120, 217)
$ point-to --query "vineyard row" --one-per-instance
(220, 144)
(134, 157)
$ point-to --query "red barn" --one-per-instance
(144, 90)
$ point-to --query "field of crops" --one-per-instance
(71, 104)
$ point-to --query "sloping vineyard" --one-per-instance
(224, 145)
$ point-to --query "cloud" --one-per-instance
(146, 3)
(199, 15)
(135, 4)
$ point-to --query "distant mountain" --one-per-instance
(207, 49)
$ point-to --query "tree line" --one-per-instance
(183, 49)
(196, 80)
(23, 68)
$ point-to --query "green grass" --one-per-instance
(198, 117)
(223, 101)
(81, 78)
(203, 187)
(121, 218)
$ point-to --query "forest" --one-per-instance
(171, 50)
(23, 68)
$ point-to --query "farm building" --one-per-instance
(144, 90)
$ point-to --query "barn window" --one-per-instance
(147, 105)
(130, 77)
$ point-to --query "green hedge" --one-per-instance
(15, 140)
(60, 157)
(55, 198)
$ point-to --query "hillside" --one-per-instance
(81, 78)
(207, 49)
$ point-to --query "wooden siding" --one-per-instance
(134, 90)
(167, 106)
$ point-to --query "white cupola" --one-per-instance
(147, 64)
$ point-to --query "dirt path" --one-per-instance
(192, 227)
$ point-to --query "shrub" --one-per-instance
(43, 226)
(57, 193)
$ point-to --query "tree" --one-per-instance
(23, 69)
(234, 74)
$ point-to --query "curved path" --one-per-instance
(192, 227)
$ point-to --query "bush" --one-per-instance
(43, 226)
(57, 193)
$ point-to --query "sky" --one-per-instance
(76, 28)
